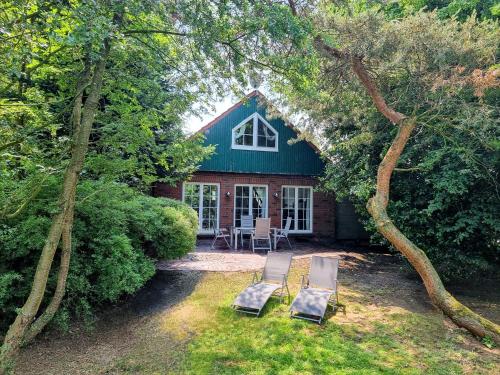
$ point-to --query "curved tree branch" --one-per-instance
(154, 31)
(379, 101)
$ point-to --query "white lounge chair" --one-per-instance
(317, 290)
(273, 279)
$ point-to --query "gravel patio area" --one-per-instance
(228, 260)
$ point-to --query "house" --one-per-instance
(254, 170)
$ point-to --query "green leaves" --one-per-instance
(117, 233)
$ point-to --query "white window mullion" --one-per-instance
(296, 208)
(255, 131)
(200, 208)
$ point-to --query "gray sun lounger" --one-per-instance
(317, 291)
(273, 280)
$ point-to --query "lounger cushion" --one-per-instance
(311, 301)
(255, 296)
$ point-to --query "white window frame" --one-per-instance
(256, 117)
(200, 203)
(296, 205)
(250, 208)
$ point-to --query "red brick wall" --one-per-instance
(323, 204)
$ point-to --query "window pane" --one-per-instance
(296, 203)
(244, 134)
(192, 195)
(259, 202)
(209, 211)
(288, 206)
(304, 209)
(265, 136)
(250, 200)
(242, 203)
(209, 200)
(261, 141)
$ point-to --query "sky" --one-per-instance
(194, 123)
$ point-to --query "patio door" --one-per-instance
(204, 199)
(296, 202)
(249, 200)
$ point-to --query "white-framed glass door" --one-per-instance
(249, 200)
(204, 199)
(296, 202)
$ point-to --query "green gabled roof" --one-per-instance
(300, 158)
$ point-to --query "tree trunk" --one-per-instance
(377, 206)
(27, 313)
(39, 324)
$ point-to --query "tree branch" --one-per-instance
(370, 86)
(40, 323)
(414, 169)
(254, 61)
(154, 31)
(9, 144)
(327, 50)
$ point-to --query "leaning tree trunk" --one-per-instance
(39, 324)
(377, 205)
(15, 334)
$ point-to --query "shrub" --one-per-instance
(178, 236)
(117, 232)
(166, 227)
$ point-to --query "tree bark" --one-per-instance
(461, 315)
(39, 324)
(27, 313)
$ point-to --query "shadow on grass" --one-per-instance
(164, 290)
(275, 344)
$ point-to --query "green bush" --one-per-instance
(167, 228)
(179, 235)
(116, 235)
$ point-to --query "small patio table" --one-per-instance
(235, 231)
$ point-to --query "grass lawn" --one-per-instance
(386, 329)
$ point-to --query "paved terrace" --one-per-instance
(222, 259)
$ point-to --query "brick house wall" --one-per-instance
(323, 204)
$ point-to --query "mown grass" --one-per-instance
(368, 339)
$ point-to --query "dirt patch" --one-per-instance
(116, 333)
(164, 290)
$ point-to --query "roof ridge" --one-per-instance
(229, 110)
